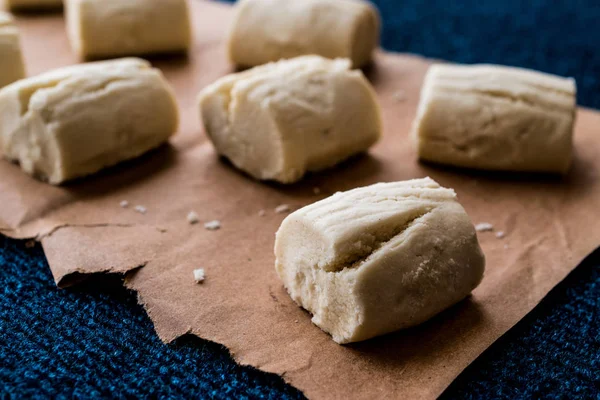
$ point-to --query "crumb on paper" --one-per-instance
(500, 234)
(30, 244)
(141, 209)
(193, 218)
(199, 275)
(296, 321)
(317, 190)
(124, 204)
(283, 208)
(505, 247)
(162, 230)
(213, 225)
(399, 96)
(484, 227)
(262, 213)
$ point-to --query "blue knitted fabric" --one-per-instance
(95, 341)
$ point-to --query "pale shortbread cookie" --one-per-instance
(113, 28)
(269, 30)
(380, 258)
(12, 67)
(280, 120)
(31, 5)
(496, 118)
(75, 121)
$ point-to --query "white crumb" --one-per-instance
(141, 209)
(199, 275)
(262, 213)
(193, 218)
(283, 208)
(213, 225)
(124, 204)
(399, 96)
(500, 234)
(317, 190)
(296, 321)
(484, 227)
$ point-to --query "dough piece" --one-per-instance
(80, 119)
(280, 120)
(109, 28)
(379, 258)
(269, 30)
(21, 5)
(496, 118)
(12, 67)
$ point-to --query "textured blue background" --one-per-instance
(96, 341)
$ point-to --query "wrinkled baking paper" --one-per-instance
(550, 226)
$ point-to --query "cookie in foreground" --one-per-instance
(380, 258)
(269, 30)
(77, 120)
(496, 118)
(281, 120)
(12, 67)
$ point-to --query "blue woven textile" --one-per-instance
(95, 341)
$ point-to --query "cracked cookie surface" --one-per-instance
(102, 28)
(380, 258)
(496, 118)
(270, 30)
(77, 120)
(281, 120)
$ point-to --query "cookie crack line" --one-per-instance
(380, 242)
(25, 96)
(522, 81)
(103, 88)
(503, 95)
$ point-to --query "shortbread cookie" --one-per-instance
(496, 118)
(113, 28)
(380, 258)
(12, 67)
(269, 30)
(280, 120)
(77, 120)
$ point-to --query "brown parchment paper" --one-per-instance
(550, 226)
